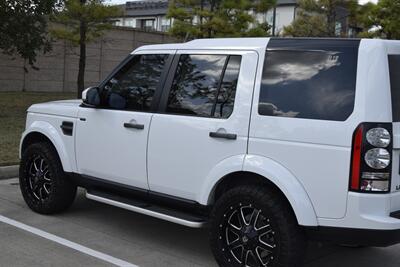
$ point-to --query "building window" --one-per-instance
(165, 24)
(338, 28)
(118, 22)
(149, 25)
(146, 24)
(129, 22)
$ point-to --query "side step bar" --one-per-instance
(148, 209)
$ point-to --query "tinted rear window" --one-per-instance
(309, 82)
(394, 70)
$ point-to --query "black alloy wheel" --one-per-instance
(247, 236)
(39, 178)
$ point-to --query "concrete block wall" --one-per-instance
(58, 69)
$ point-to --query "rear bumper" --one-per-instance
(367, 211)
(370, 220)
(350, 236)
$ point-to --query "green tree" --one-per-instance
(318, 18)
(80, 22)
(381, 20)
(218, 18)
(23, 27)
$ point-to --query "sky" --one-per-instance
(123, 1)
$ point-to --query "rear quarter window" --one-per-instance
(310, 82)
(394, 71)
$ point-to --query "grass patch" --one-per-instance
(13, 106)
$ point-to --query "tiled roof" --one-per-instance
(286, 2)
(154, 4)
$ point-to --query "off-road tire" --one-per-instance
(284, 234)
(59, 193)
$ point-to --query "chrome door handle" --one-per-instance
(223, 135)
(133, 126)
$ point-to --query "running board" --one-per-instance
(148, 209)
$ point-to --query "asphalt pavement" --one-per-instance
(94, 234)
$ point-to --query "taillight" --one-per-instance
(371, 160)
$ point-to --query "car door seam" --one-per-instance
(147, 152)
(252, 103)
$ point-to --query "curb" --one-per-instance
(9, 172)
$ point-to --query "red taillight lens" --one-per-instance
(371, 160)
(356, 159)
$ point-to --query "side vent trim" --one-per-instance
(67, 127)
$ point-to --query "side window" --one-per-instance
(204, 85)
(133, 87)
(309, 84)
(394, 71)
(227, 92)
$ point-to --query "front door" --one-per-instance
(203, 120)
(111, 140)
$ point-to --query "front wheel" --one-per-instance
(43, 183)
(253, 226)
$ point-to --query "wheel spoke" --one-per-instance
(41, 193)
(260, 259)
(35, 186)
(266, 229)
(233, 243)
(266, 246)
(41, 165)
(241, 254)
(45, 188)
(242, 217)
(250, 255)
(45, 176)
(234, 229)
(247, 258)
(254, 218)
(231, 224)
(234, 253)
(35, 190)
(31, 171)
(34, 165)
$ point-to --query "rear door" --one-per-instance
(203, 119)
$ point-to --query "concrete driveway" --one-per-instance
(113, 235)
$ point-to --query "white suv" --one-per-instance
(269, 142)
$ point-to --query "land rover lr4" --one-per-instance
(268, 142)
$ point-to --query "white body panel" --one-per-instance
(107, 150)
(46, 119)
(63, 108)
(288, 185)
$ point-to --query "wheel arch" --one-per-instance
(262, 171)
(41, 131)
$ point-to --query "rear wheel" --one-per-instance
(253, 226)
(43, 183)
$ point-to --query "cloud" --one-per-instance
(299, 70)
